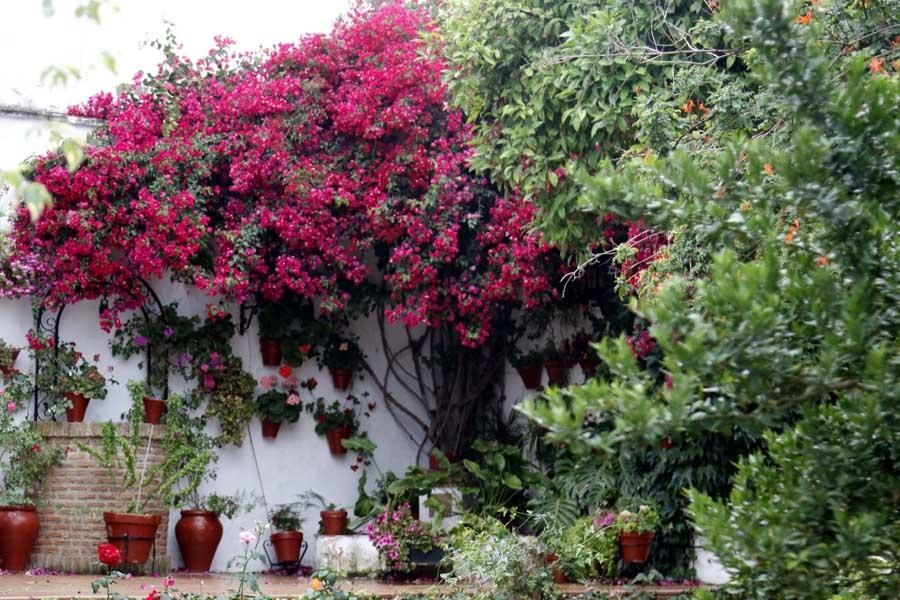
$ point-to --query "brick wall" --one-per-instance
(77, 493)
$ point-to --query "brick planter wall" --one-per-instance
(77, 493)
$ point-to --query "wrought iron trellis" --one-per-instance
(48, 323)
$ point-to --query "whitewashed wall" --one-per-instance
(297, 460)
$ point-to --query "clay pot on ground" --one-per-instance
(287, 546)
(7, 369)
(270, 429)
(75, 414)
(153, 410)
(341, 378)
(557, 372)
(334, 522)
(558, 576)
(635, 546)
(18, 532)
(198, 533)
(335, 437)
(140, 531)
(270, 351)
(531, 376)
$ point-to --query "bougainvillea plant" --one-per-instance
(277, 172)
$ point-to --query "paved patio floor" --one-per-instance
(59, 587)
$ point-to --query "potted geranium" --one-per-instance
(636, 531)
(583, 354)
(273, 322)
(25, 460)
(342, 356)
(76, 380)
(287, 540)
(333, 518)
(277, 406)
(336, 421)
(556, 365)
(153, 407)
(402, 540)
(8, 356)
(529, 366)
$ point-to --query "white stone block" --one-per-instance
(709, 569)
(348, 554)
(450, 498)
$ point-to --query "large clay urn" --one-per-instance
(18, 532)
(198, 533)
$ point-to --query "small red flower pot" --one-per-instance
(7, 369)
(270, 429)
(75, 414)
(287, 545)
(270, 351)
(557, 372)
(558, 576)
(341, 378)
(334, 522)
(531, 376)
(635, 547)
(335, 437)
(153, 410)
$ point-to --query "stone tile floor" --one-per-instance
(33, 587)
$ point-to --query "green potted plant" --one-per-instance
(280, 403)
(70, 380)
(556, 365)
(342, 356)
(530, 367)
(403, 541)
(25, 461)
(8, 356)
(337, 421)
(121, 451)
(586, 549)
(334, 518)
(636, 530)
(273, 322)
(153, 407)
(287, 539)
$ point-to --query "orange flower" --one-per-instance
(688, 106)
(316, 584)
(769, 169)
(822, 261)
(702, 108)
(804, 19)
(876, 65)
(792, 232)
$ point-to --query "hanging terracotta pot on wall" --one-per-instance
(198, 533)
(557, 372)
(153, 410)
(18, 532)
(270, 351)
(75, 414)
(589, 367)
(335, 437)
(270, 428)
(141, 532)
(341, 378)
(7, 369)
(334, 522)
(531, 376)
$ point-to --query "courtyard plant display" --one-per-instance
(286, 537)
(337, 421)
(25, 460)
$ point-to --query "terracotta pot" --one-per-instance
(341, 378)
(18, 531)
(558, 576)
(287, 545)
(531, 376)
(270, 429)
(335, 436)
(557, 372)
(334, 522)
(635, 546)
(79, 407)
(141, 532)
(589, 368)
(198, 533)
(153, 410)
(271, 352)
(7, 369)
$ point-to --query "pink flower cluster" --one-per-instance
(394, 532)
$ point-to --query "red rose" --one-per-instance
(108, 554)
(285, 371)
(154, 595)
